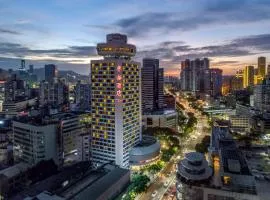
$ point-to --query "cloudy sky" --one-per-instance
(232, 33)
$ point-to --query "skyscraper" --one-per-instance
(22, 67)
(82, 96)
(248, 78)
(262, 96)
(115, 101)
(237, 81)
(50, 72)
(185, 75)
(215, 82)
(195, 76)
(31, 69)
(152, 85)
(262, 66)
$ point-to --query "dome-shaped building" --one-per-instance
(146, 152)
(192, 170)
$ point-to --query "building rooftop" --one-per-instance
(147, 146)
(161, 112)
(100, 186)
(231, 163)
(14, 170)
(48, 119)
(73, 180)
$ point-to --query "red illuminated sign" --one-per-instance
(119, 83)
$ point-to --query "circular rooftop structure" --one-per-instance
(116, 46)
(147, 151)
(194, 157)
(194, 167)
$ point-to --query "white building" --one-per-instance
(163, 119)
(35, 142)
(84, 147)
(115, 101)
(55, 136)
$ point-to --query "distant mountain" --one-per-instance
(71, 76)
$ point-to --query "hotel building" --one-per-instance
(115, 101)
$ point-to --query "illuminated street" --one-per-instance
(169, 173)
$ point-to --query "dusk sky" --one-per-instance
(232, 33)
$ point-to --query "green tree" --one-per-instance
(203, 146)
(139, 183)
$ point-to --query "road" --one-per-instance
(188, 145)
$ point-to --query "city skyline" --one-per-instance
(232, 34)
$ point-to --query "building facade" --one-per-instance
(152, 85)
(262, 66)
(166, 119)
(215, 82)
(54, 92)
(15, 88)
(262, 96)
(115, 101)
(195, 76)
(34, 142)
(50, 72)
(238, 81)
(248, 76)
(83, 96)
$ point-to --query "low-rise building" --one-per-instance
(240, 123)
(261, 123)
(163, 118)
(34, 141)
(230, 178)
(12, 178)
(63, 137)
(80, 181)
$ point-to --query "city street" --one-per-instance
(169, 173)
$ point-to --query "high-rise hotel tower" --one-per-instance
(116, 101)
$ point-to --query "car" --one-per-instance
(154, 194)
(166, 183)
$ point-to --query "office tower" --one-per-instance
(2, 94)
(185, 75)
(14, 89)
(262, 96)
(34, 142)
(215, 82)
(238, 80)
(248, 76)
(268, 70)
(50, 72)
(22, 67)
(115, 101)
(55, 93)
(258, 79)
(83, 95)
(152, 85)
(31, 69)
(262, 66)
(195, 76)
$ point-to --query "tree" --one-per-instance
(139, 183)
(203, 146)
